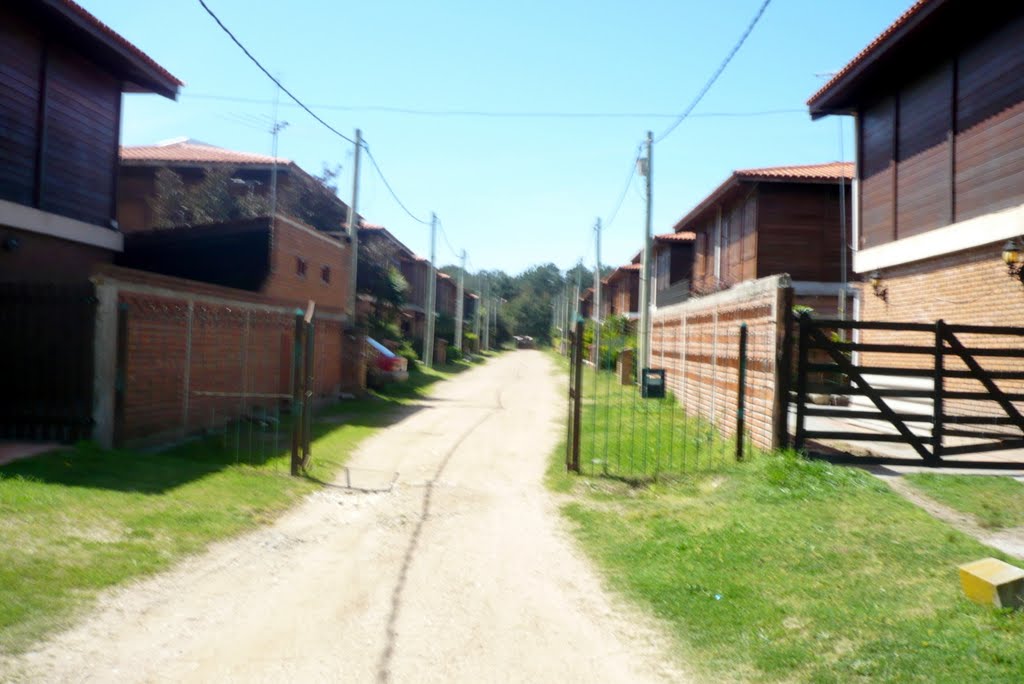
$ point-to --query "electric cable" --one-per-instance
(718, 72)
(255, 61)
(391, 190)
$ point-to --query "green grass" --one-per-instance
(790, 570)
(996, 502)
(627, 436)
(77, 521)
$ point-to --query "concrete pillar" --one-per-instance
(104, 366)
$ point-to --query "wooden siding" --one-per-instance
(923, 180)
(990, 124)
(947, 145)
(798, 229)
(877, 172)
(21, 59)
(60, 118)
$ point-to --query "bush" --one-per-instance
(454, 354)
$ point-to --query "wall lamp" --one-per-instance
(880, 290)
(1013, 257)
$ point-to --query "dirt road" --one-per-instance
(463, 572)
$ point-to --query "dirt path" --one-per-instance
(1010, 541)
(462, 573)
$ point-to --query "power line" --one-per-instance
(503, 114)
(255, 61)
(625, 190)
(718, 72)
(444, 236)
(390, 189)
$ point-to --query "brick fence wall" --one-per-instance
(697, 343)
(196, 356)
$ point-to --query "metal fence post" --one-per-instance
(577, 405)
(297, 393)
(741, 391)
(309, 390)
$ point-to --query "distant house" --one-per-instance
(621, 292)
(191, 159)
(672, 257)
(938, 104)
(62, 73)
(767, 221)
(282, 259)
(587, 303)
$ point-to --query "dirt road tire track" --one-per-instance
(463, 572)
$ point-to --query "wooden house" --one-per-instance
(767, 221)
(938, 104)
(672, 256)
(62, 73)
(621, 293)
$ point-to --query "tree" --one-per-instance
(378, 277)
(314, 200)
(219, 196)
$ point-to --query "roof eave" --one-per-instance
(834, 97)
(138, 75)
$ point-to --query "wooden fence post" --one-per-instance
(801, 381)
(937, 407)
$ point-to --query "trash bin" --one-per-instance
(652, 383)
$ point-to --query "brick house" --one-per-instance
(766, 221)
(938, 104)
(672, 257)
(58, 167)
(280, 258)
(191, 159)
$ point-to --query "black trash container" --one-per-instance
(652, 383)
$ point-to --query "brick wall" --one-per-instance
(293, 241)
(697, 343)
(198, 356)
(970, 287)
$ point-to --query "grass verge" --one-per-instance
(996, 502)
(783, 569)
(77, 521)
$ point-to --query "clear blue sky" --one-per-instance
(511, 191)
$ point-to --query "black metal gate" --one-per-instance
(934, 394)
(46, 361)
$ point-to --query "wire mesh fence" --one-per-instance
(710, 394)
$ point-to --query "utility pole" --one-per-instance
(484, 303)
(353, 227)
(596, 313)
(428, 343)
(645, 267)
(459, 310)
(274, 130)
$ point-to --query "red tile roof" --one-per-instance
(193, 152)
(630, 267)
(830, 171)
(876, 47)
(684, 236)
(73, 8)
(806, 173)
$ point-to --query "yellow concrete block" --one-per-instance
(992, 582)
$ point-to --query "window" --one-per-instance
(300, 267)
(325, 274)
